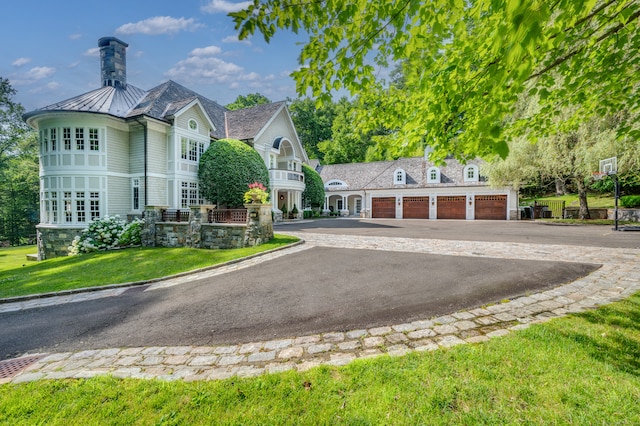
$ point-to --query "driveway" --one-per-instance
(351, 274)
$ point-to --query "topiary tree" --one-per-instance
(313, 194)
(227, 168)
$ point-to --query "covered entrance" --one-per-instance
(491, 207)
(452, 207)
(415, 207)
(383, 207)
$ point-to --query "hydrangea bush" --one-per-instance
(107, 233)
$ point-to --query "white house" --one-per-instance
(414, 188)
(118, 149)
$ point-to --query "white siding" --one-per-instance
(136, 151)
(193, 113)
(117, 150)
(158, 191)
(119, 190)
(156, 152)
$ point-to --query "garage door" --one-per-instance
(452, 207)
(415, 207)
(492, 207)
(383, 207)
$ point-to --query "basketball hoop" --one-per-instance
(598, 175)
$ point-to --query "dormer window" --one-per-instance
(470, 173)
(433, 175)
(399, 177)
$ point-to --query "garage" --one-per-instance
(491, 207)
(415, 207)
(383, 207)
(452, 207)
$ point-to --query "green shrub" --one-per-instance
(227, 168)
(630, 201)
(313, 194)
(107, 233)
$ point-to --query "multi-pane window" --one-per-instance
(94, 141)
(54, 139)
(45, 141)
(54, 207)
(66, 138)
(135, 186)
(79, 138)
(191, 150)
(94, 205)
(80, 207)
(68, 210)
(189, 195)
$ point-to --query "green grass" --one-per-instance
(19, 277)
(583, 369)
(594, 200)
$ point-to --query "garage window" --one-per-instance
(400, 177)
(433, 175)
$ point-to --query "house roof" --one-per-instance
(162, 102)
(117, 101)
(380, 174)
(246, 123)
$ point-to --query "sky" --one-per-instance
(49, 49)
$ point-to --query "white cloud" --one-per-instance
(204, 66)
(49, 87)
(94, 51)
(234, 39)
(32, 76)
(159, 25)
(224, 6)
(75, 36)
(20, 62)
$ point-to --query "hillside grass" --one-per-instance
(583, 369)
(19, 277)
(594, 200)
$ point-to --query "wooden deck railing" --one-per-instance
(227, 216)
(173, 215)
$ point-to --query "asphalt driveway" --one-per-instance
(314, 290)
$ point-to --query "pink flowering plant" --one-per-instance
(257, 193)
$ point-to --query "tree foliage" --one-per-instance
(227, 168)
(465, 63)
(19, 181)
(313, 194)
(252, 99)
(313, 124)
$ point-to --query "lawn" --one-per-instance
(582, 369)
(19, 277)
(594, 200)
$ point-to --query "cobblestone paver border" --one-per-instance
(618, 277)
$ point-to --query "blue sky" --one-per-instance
(49, 49)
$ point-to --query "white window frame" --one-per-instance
(399, 177)
(471, 173)
(430, 177)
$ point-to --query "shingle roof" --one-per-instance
(246, 123)
(380, 174)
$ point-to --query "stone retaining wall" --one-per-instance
(632, 215)
(55, 242)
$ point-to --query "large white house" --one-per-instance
(118, 149)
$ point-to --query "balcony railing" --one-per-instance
(227, 216)
(288, 175)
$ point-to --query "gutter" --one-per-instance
(146, 186)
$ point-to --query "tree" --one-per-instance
(465, 63)
(313, 194)
(313, 124)
(19, 181)
(227, 168)
(252, 99)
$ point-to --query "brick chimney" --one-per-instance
(113, 62)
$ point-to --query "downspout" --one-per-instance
(146, 192)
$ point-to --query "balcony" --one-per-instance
(286, 179)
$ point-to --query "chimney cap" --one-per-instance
(106, 41)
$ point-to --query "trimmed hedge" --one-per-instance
(314, 187)
(227, 168)
(630, 201)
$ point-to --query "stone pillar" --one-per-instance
(152, 214)
(259, 224)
